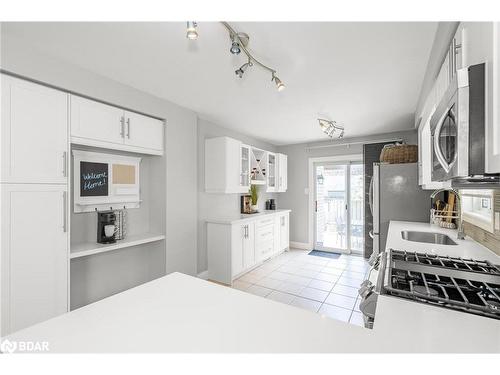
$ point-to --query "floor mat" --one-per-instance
(325, 254)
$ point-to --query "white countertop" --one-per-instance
(238, 218)
(180, 313)
(467, 248)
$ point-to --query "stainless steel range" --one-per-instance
(466, 285)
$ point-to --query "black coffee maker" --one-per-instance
(106, 227)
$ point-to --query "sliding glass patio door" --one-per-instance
(338, 213)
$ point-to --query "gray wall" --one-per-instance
(177, 170)
(295, 197)
(217, 205)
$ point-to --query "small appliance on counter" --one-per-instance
(106, 227)
(270, 204)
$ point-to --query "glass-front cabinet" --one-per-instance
(245, 167)
(271, 172)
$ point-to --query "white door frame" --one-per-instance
(311, 192)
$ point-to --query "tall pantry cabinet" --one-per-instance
(34, 205)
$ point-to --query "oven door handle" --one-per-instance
(437, 149)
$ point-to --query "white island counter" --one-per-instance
(180, 313)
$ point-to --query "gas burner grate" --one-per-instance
(456, 283)
(447, 262)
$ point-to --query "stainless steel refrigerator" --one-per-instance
(394, 194)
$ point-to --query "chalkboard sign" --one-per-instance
(93, 179)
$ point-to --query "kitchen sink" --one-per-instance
(427, 237)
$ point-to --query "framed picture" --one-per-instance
(246, 204)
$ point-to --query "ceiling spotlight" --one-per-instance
(191, 32)
(235, 48)
(239, 72)
(330, 128)
(279, 85)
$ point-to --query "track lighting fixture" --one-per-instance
(191, 32)
(239, 72)
(239, 43)
(330, 128)
(279, 85)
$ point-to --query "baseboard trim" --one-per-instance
(203, 275)
(300, 245)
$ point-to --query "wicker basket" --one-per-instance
(399, 154)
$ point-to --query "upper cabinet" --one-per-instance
(101, 125)
(231, 167)
(282, 173)
(34, 133)
(272, 169)
(226, 166)
(481, 44)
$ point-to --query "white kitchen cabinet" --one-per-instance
(282, 173)
(142, 131)
(272, 172)
(235, 247)
(101, 125)
(91, 120)
(481, 44)
(245, 168)
(34, 254)
(226, 164)
(34, 133)
(284, 231)
(248, 245)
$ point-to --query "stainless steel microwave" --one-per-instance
(458, 127)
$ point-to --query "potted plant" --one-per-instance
(254, 197)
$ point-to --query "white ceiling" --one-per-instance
(366, 76)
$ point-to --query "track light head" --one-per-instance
(191, 32)
(239, 72)
(279, 85)
(330, 127)
(235, 48)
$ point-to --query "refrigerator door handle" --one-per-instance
(370, 195)
(375, 199)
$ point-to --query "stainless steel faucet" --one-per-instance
(460, 234)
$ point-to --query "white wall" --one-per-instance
(178, 167)
(295, 197)
(217, 205)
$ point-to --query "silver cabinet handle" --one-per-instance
(65, 164)
(128, 128)
(122, 127)
(65, 215)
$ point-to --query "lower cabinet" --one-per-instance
(235, 248)
(34, 254)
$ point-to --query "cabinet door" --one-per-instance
(249, 246)
(95, 121)
(142, 131)
(284, 231)
(34, 254)
(34, 133)
(239, 231)
(244, 168)
(272, 172)
(283, 173)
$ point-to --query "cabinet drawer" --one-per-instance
(266, 249)
(269, 220)
(265, 234)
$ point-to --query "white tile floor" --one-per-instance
(323, 285)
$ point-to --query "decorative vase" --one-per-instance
(255, 207)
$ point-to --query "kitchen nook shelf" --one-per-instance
(91, 248)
